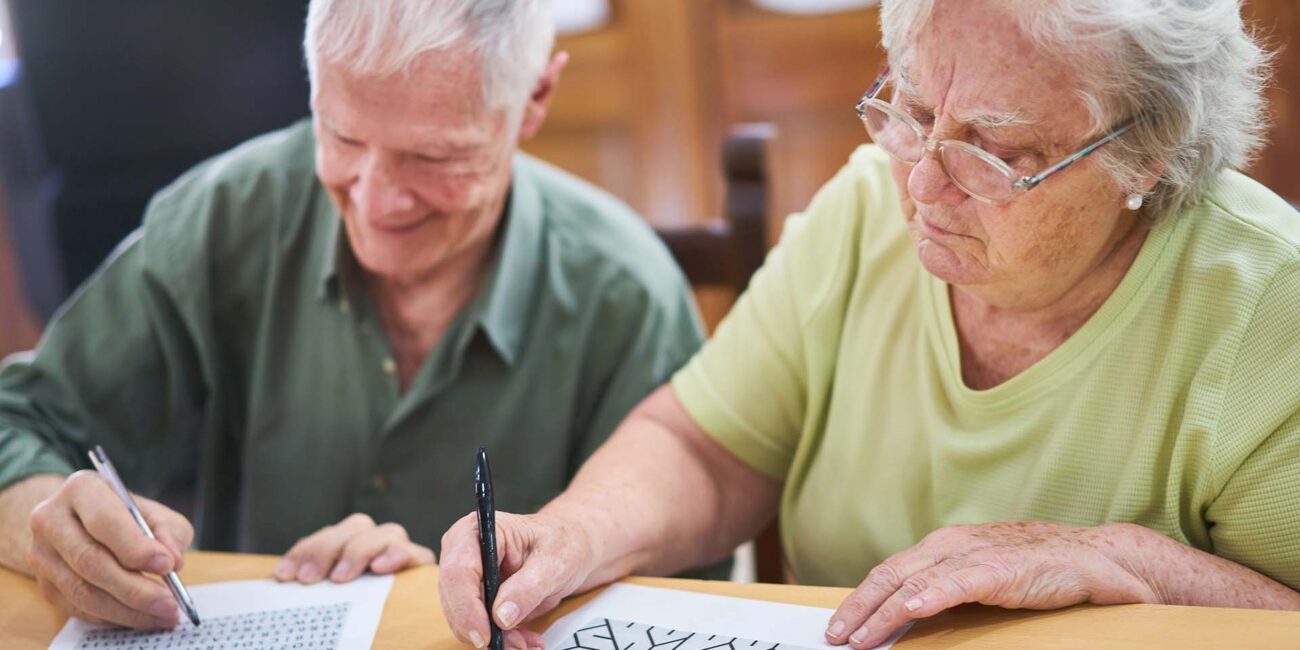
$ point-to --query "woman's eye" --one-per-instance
(920, 114)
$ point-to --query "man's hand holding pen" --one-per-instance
(88, 554)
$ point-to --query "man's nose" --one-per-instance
(377, 194)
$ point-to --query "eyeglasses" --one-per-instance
(977, 172)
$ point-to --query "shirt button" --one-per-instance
(390, 367)
(345, 307)
(379, 482)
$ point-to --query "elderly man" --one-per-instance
(332, 318)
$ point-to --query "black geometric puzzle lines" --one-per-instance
(611, 634)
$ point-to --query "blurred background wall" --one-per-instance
(103, 103)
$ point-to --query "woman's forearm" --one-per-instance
(661, 496)
(1182, 575)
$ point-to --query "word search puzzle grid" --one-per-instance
(302, 628)
(609, 634)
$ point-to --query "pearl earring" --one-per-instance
(1134, 201)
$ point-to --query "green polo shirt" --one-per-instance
(230, 334)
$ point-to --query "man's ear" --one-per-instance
(539, 102)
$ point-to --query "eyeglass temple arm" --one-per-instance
(875, 88)
(1030, 181)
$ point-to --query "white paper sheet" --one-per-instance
(632, 617)
(256, 614)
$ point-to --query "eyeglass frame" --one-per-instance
(1020, 185)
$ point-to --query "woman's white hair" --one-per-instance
(1189, 71)
(376, 38)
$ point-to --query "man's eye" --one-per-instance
(347, 142)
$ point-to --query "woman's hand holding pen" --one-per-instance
(544, 557)
(87, 554)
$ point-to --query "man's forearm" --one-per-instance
(1182, 575)
(16, 504)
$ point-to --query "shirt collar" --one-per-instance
(503, 306)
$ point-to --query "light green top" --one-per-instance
(231, 338)
(1176, 406)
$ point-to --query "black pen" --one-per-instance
(487, 542)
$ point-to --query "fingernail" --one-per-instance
(859, 636)
(835, 630)
(476, 639)
(160, 564)
(163, 607)
(341, 570)
(309, 573)
(913, 604)
(507, 613)
(285, 569)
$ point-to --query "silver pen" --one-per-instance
(105, 468)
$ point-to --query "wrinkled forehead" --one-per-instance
(434, 104)
(974, 63)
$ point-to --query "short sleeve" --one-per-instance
(665, 331)
(1255, 517)
(748, 388)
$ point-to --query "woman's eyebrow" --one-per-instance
(997, 119)
(984, 119)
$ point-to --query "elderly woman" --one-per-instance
(1036, 347)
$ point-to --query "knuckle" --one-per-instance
(939, 536)
(134, 555)
(82, 596)
(296, 551)
(85, 562)
(915, 585)
(186, 531)
(359, 519)
(80, 480)
(138, 597)
(959, 583)
(855, 607)
(393, 529)
(42, 519)
(456, 532)
(884, 577)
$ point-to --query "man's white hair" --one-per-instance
(376, 38)
(1189, 70)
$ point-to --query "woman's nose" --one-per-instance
(928, 182)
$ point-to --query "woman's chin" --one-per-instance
(948, 265)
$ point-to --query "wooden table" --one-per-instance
(413, 619)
